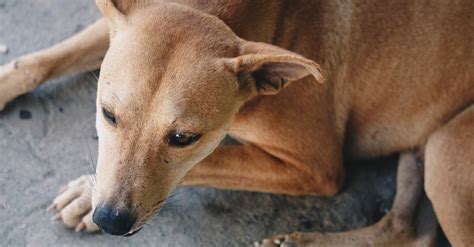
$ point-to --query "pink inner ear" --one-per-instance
(286, 71)
(274, 76)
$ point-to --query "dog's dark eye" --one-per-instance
(109, 116)
(177, 139)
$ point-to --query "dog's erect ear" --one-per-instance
(271, 68)
(116, 10)
(112, 10)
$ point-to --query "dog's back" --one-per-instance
(399, 69)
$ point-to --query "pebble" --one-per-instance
(25, 114)
(3, 49)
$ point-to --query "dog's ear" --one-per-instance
(116, 11)
(271, 68)
(113, 11)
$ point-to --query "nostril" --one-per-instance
(113, 220)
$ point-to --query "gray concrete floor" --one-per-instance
(43, 144)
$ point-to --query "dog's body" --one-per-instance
(398, 77)
(383, 65)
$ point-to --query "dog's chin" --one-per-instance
(131, 233)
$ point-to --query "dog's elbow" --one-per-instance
(328, 184)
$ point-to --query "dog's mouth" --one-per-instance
(131, 233)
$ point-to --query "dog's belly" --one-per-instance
(399, 101)
(407, 71)
(402, 116)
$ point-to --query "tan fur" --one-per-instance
(397, 75)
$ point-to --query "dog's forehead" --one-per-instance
(170, 25)
(178, 90)
(160, 68)
(168, 40)
(196, 93)
(136, 57)
(182, 74)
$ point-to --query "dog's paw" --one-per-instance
(19, 77)
(282, 240)
(73, 205)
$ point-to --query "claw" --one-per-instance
(51, 207)
(80, 226)
(57, 217)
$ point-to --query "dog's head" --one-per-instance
(170, 85)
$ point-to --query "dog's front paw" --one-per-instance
(74, 205)
(19, 77)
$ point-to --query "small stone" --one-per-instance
(3, 49)
(25, 114)
(307, 225)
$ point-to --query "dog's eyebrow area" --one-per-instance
(189, 124)
(107, 105)
(111, 100)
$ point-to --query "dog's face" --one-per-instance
(170, 85)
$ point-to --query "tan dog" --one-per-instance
(176, 78)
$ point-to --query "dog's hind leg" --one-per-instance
(449, 173)
(400, 227)
(82, 52)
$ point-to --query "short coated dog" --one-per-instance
(303, 85)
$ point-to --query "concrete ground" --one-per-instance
(43, 144)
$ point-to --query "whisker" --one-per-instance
(90, 156)
(92, 167)
(172, 200)
(169, 208)
(179, 193)
(148, 224)
(95, 76)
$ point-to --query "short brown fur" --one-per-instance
(397, 77)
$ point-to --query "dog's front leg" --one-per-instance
(73, 205)
(247, 167)
(79, 53)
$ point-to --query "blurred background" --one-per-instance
(44, 139)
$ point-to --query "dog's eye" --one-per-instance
(177, 139)
(109, 116)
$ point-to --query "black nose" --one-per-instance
(113, 220)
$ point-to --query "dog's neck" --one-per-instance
(277, 22)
